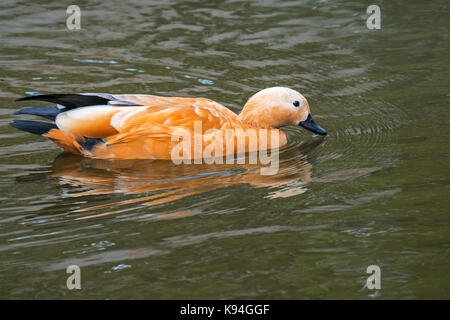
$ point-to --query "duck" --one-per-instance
(140, 126)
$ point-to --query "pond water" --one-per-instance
(375, 191)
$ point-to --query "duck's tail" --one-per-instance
(41, 111)
(73, 143)
(35, 127)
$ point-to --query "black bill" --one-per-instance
(311, 125)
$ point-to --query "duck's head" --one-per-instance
(277, 107)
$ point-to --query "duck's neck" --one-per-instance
(251, 116)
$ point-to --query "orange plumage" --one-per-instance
(143, 126)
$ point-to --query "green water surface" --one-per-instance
(375, 191)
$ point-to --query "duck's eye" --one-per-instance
(296, 103)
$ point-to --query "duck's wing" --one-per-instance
(127, 112)
(148, 132)
(175, 112)
(133, 126)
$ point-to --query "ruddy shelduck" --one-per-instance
(129, 126)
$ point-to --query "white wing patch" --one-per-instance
(66, 120)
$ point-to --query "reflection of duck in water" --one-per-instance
(105, 126)
(164, 181)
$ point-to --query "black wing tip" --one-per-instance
(25, 98)
(37, 97)
(46, 96)
(47, 112)
(34, 127)
(70, 101)
(76, 100)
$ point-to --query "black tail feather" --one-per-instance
(70, 101)
(90, 143)
(35, 127)
(46, 112)
(40, 128)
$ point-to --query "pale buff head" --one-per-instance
(277, 107)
